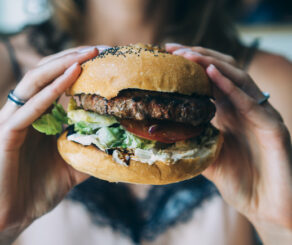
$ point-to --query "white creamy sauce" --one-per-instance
(82, 139)
(152, 156)
(86, 140)
(118, 159)
(170, 155)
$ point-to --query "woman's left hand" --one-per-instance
(253, 171)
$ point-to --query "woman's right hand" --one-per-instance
(33, 176)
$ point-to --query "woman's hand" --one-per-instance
(33, 176)
(254, 169)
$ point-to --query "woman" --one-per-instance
(253, 173)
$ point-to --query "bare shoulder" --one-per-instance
(273, 73)
(271, 67)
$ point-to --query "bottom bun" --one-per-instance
(90, 160)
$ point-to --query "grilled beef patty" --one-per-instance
(147, 105)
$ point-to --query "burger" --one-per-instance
(138, 114)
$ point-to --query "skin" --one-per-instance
(45, 173)
(246, 161)
(120, 22)
(256, 150)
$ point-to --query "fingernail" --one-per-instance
(211, 67)
(169, 45)
(71, 68)
(193, 53)
(186, 51)
(181, 51)
(102, 48)
(86, 50)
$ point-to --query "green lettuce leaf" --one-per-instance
(59, 113)
(48, 124)
(133, 141)
(117, 137)
(85, 127)
(105, 129)
(51, 123)
(111, 137)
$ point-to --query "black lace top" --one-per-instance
(114, 205)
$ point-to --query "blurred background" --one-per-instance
(268, 21)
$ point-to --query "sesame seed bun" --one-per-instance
(141, 67)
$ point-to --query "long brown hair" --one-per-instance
(192, 22)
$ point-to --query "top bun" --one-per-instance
(140, 67)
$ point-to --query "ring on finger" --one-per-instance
(13, 98)
(264, 99)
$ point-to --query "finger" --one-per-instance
(60, 54)
(215, 54)
(178, 49)
(102, 48)
(171, 47)
(8, 109)
(239, 77)
(47, 59)
(238, 98)
(38, 78)
(181, 50)
(225, 67)
(39, 103)
(244, 104)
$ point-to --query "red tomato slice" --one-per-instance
(162, 131)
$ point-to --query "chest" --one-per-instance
(170, 215)
(70, 224)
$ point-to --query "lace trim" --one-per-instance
(114, 205)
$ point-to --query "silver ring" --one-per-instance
(264, 99)
(15, 99)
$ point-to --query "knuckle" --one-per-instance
(277, 134)
(70, 55)
(80, 47)
(211, 60)
(276, 114)
(43, 60)
(38, 109)
(243, 76)
(199, 49)
(281, 131)
(55, 89)
(31, 74)
(250, 107)
(5, 131)
(230, 89)
(67, 60)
